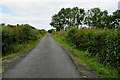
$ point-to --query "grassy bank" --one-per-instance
(21, 48)
(17, 39)
(92, 62)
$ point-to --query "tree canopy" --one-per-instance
(94, 18)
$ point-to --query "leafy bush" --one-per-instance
(103, 44)
(70, 34)
(22, 34)
(60, 34)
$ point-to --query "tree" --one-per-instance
(51, 30)
(98, 19)
(67, 17)
(106, 20)
(3, 24)
(56, 23)
(116, 19)
(78, 16)
(93, 17)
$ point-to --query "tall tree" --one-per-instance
(78, 16)
(68, 17)
(116, 19)
(105, 20)
(93, 17)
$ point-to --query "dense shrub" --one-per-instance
(60, 34)
(21, 34)
(103, 44)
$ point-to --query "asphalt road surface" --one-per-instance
(46, 60)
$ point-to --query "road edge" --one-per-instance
(85, 71)
(10, 61)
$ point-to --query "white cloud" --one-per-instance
(39, 13)
(60, 0)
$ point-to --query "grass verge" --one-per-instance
(92, 62)
(21, 48)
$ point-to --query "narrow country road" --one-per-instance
(46, 60)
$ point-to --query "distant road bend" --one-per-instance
(46, 60)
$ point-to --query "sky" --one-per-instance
(38, 13)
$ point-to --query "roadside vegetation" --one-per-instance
(93, 35)
(98, 53)
(18, 39)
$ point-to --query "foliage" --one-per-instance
(92, 62)
(12, 35)
(93, 18)
(60, 34)
(51, 30)
(67, 17)
(116, 19)
(97, 18)
(103, 44)
(21, 48)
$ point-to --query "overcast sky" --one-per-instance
(38, 13)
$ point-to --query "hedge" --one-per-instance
(101, 43)
(104, 44)
(22, 34)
